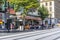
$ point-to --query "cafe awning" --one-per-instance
(32, 18)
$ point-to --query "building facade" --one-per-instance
(57, 8)
(49, 4)
(52, 6)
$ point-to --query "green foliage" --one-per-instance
(1, 1)
(27, 4)
(43, 12)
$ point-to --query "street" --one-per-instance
(48, 34)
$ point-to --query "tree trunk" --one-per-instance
(24, 23)
(42, 27)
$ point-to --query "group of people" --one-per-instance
(39, 26)
(30, 26)
(10, 26)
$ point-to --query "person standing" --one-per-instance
(0, 26)
(8, 25)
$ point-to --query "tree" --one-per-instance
(1, 1)
(1, 5)
(27, 4)
(43, 12)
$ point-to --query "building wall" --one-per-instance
(33, 13)
(57, 8)
(49, 4)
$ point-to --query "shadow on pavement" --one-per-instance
(15, 31)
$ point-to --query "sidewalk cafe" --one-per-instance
(30, 20)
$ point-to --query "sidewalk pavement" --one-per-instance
(5, 33)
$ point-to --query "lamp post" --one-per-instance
(5, 2)
(50, 20)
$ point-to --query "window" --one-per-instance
(46, 4)
(50, 3)
(50, 8)
(41, 0)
